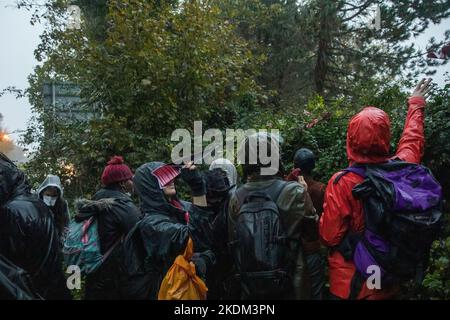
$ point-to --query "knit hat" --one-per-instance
(116, 171)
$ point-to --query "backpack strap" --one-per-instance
(273, 192)
(110, 250)
(360, 169)
(357, 169)
(356, 285)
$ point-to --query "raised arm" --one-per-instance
(412, 142)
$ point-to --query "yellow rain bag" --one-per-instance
(181, 281)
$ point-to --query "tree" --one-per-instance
(348, 52)
(158, 66)
(327, 47)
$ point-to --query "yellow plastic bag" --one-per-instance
(181, 281)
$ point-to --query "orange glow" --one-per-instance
(5, 137)
(68, 168)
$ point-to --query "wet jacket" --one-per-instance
(15, 283)
(61, 209)
(220, 278)
(315, 260)
(28, 237)
(119, 221)
(114, 220)
(316, 191)
(368, 141)
(295, 207)
(164, 232)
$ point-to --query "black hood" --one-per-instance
(151, 197)
(12, 181)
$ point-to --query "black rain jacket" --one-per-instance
(28, 237)
(116, 215)
(162, 235)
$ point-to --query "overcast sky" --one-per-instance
(18, 40)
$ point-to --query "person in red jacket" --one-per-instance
(368, 141)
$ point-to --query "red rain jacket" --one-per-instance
(368, 138)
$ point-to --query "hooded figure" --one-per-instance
(51, 192)
(163, 233)
(368, 141)
(220, 276)
(15, 283)
(295, 208)
(227, 166)
(28, 237)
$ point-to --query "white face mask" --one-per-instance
(50, 201)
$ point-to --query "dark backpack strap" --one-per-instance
(360, 169)
(273, 191)
(111, 249)
(356, 285)
(357, 169)
(348, 244)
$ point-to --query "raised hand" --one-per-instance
(302, 182)
(193, 178)
(423, 88)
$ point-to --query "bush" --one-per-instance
(437, 281)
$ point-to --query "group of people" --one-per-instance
(255, 237)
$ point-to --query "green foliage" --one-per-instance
(437, 280)
(158, 67)
(326, 47)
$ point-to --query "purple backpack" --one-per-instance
(402, 205)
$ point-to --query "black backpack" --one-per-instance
(259, 245)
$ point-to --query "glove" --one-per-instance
(202, 261)
(200, 265)
(195, 181)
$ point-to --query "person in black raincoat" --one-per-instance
(15, 283)
(168, 223)
(115, 219)
(220, 277)
(28, 237)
